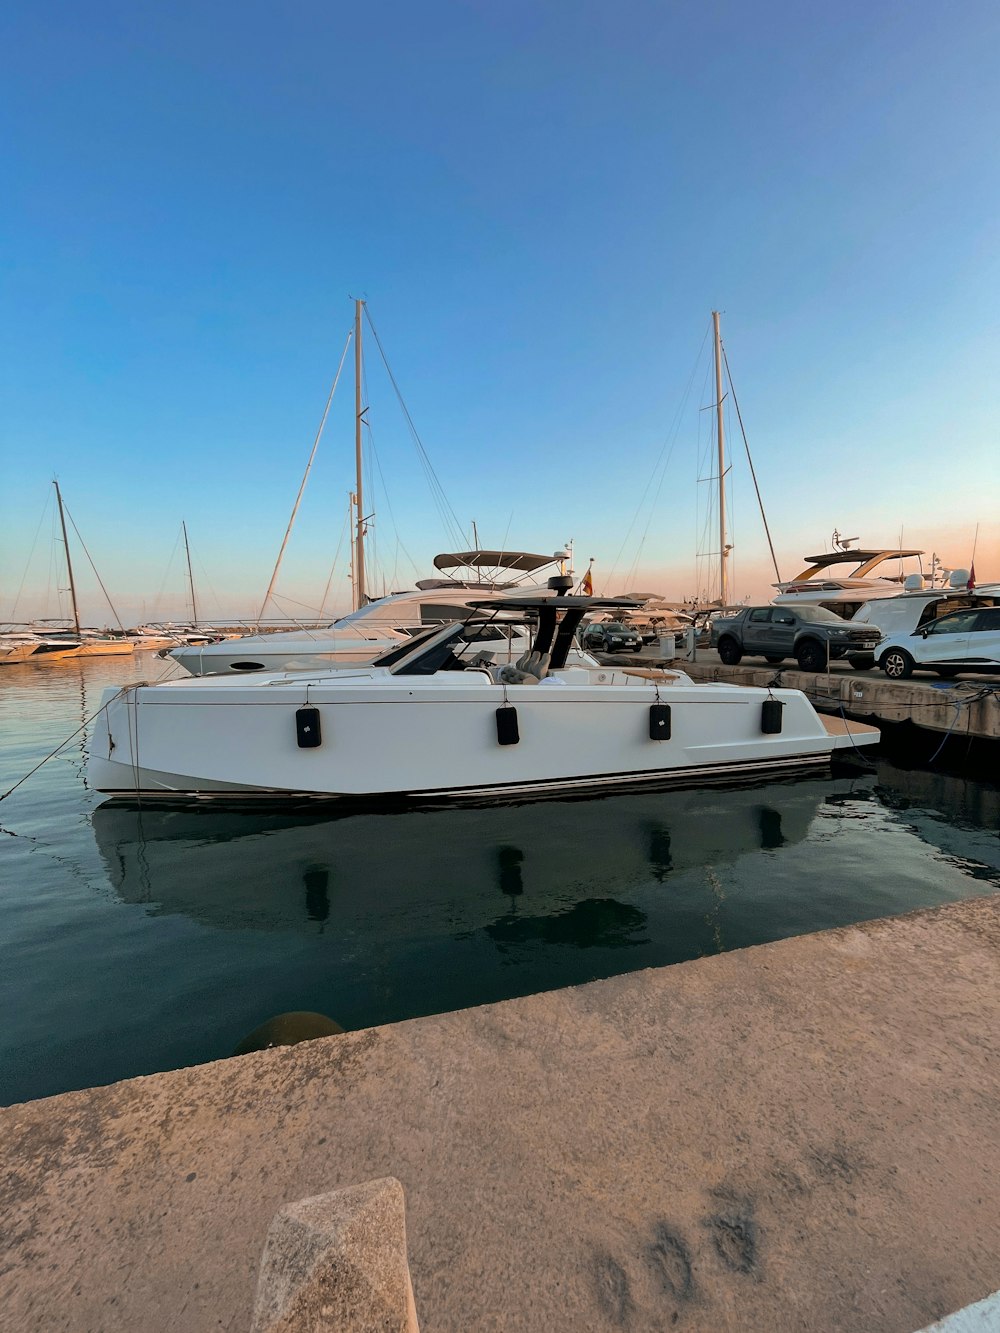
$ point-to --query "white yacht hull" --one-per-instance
(106, 648)
(434, 738)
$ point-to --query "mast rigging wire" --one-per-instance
(388, 502)
(753, 473)
(326, 590)
(446, 512)
(94, 568)
(305, 477)
(34, 543)
(674, 428)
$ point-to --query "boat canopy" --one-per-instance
(523, 561)
(865, 561)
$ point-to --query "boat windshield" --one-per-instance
(822, 614)
(440, 647)
(411, 647)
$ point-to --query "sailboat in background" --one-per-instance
(55, 644)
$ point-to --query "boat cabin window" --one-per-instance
(436, 612)
(760, 614)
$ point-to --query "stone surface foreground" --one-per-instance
(803, 1136)
(336, 1263)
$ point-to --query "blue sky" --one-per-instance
(542, 203)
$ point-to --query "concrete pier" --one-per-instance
(801, 1136)
(866, 696)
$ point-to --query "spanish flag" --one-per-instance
(587, 585)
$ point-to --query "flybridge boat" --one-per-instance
(424, 723)
(844, 579)
(377, 626)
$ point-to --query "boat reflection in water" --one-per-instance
(425, 911)
(572, 874)
(233, 917)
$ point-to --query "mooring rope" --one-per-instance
(62, 744)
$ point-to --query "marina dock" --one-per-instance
(798, 1136)
(967, 708)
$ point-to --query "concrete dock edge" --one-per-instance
(799, 1136)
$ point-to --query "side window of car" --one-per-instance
(760, 613)
(957, 624)
(784, 618)
(989, 619)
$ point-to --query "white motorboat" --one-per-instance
(843, 579)
(379, 625)
(29, 646)
(422, 724)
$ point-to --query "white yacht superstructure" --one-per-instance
(378, 625)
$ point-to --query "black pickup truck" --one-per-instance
(810, 634)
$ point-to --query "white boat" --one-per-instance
(31, 646)
(163, 638)
(843, 579)
(87, 643)
(104, 645)
(382, 624)
(420, 724)
(77, 642)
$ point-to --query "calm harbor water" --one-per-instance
(133, 941)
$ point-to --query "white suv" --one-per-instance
(966, 640)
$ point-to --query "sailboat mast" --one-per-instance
(69, 562)
(352, 534)
(187, 552)
(723, 548)
(359, 543)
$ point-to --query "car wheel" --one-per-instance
(810, 656)
(730, 652)
(638, 648)
(774, 660)
(897, 664)
(947, 673)
(862, 661)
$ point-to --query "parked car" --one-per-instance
(911, 611)
(611, 637)
(810, 634)
(966, 640)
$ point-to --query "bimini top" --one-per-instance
(522, 561)
(866, 561)
(534, 600)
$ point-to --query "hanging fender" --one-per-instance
(308, 733)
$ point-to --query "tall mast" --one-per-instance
(187, 552)
(69, 562)
(359, 542)
(352, 533)
(723, 548)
